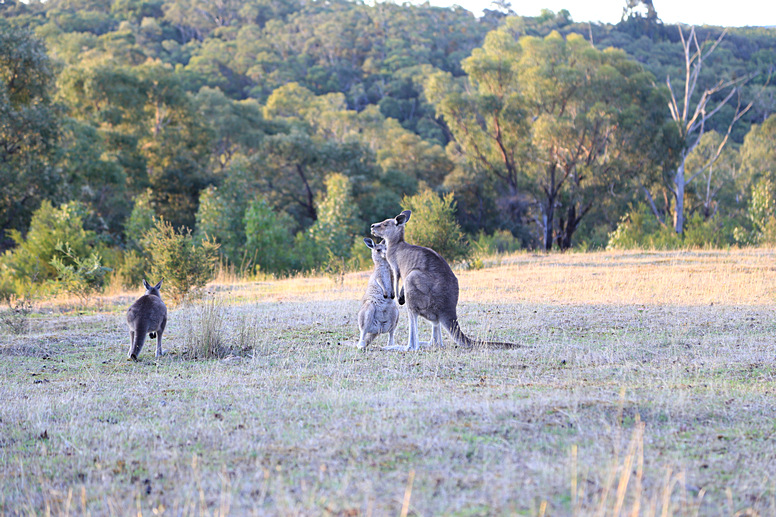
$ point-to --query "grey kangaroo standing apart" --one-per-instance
(378, 313)
(148, 315)
(430, 288)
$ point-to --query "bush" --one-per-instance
(337, 222)
(134, 266)
(140, 221)
(433, 225)
(501, 241)
(705, 233)
(639, 228)
(178, 259)
(80, 276)
(360, 256)
(761, 215)
(221, 214)
(269, 239)
(49, 228)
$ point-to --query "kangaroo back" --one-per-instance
(148, 315)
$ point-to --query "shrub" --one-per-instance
(639, 228)
(360, 255)
(269, 238)
(337, 222)
(49, 227)
(433, 225)
(762, 213)
(221, 214)
(501, 241)
(80, 276)
(704, 233)
(140, 221)
(179, 259)
(134, 266)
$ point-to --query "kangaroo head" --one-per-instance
(378, 250)
(153, 290)
(392, 229)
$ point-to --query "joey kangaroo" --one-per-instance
(378, 313)
(429, 286)
(148, 315)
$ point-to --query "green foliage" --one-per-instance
(762, 214)
(484, 245)
(142, 219)
(553, 117)
(758, 155)
(433, 225)
(92, 175)
(360, 255)
(179, 259)
(337, 221)
(220, 220)
(500, 241)
(269, 99)
(133, 266)
(29, 127)
(269, 241)
(705, 233)
(307, 254)
(640, 229)
(79, 276)
(32, 257)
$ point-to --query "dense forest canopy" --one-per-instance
(225, 116)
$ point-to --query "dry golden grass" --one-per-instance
(736, 277)
(649, 388)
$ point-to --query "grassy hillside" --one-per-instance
(647, 385)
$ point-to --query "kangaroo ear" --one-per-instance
(159, 285)
(146, 284)
(369, 243)
(403, 217)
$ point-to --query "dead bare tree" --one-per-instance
(691, 121)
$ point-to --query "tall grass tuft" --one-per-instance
(203, 336)
(247, 337)
(16, 320)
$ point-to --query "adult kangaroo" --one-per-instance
(430, 288)
(148, 315)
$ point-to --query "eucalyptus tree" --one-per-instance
(552, 118)
(692, 111)
(29, 127)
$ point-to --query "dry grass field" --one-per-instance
(647, 387)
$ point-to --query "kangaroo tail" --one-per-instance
(498, 344)
(462, 339)
(137, 344)
(457, 334)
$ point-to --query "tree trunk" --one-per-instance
(568, 226)
(679, 184)
(310, 198)
(548, 219)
